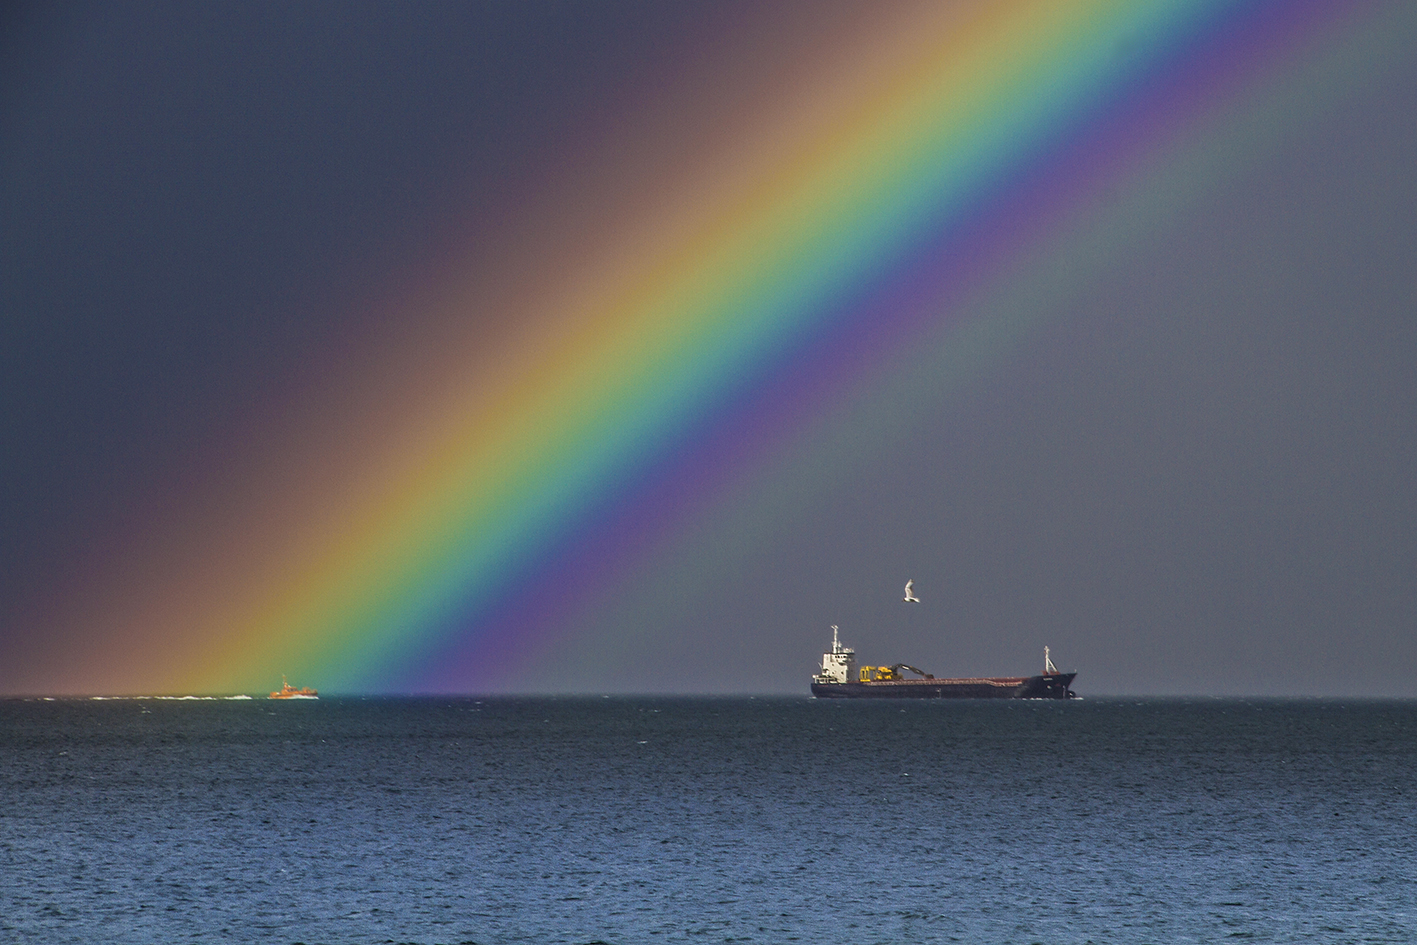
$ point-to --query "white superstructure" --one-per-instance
(839, 665)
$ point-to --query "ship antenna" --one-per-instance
(835, 645)
(1048, 666)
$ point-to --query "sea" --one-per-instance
(745, 820)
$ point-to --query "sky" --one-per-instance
(627, 347)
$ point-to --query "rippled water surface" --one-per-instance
(713, 820)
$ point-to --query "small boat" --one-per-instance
(287, 691)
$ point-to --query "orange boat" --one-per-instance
(287, 691)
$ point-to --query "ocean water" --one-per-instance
(707, 820)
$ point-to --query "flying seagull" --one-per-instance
(910, 597)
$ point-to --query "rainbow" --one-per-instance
(664, 342)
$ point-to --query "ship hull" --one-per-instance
(1048, 686)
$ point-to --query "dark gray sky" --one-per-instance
(1197, 478)
(192, 197)
(1193, 475)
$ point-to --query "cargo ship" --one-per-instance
(840, 679)
(287, 691)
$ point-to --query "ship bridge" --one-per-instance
(838, 665)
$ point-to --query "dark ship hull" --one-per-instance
(1047, 686)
